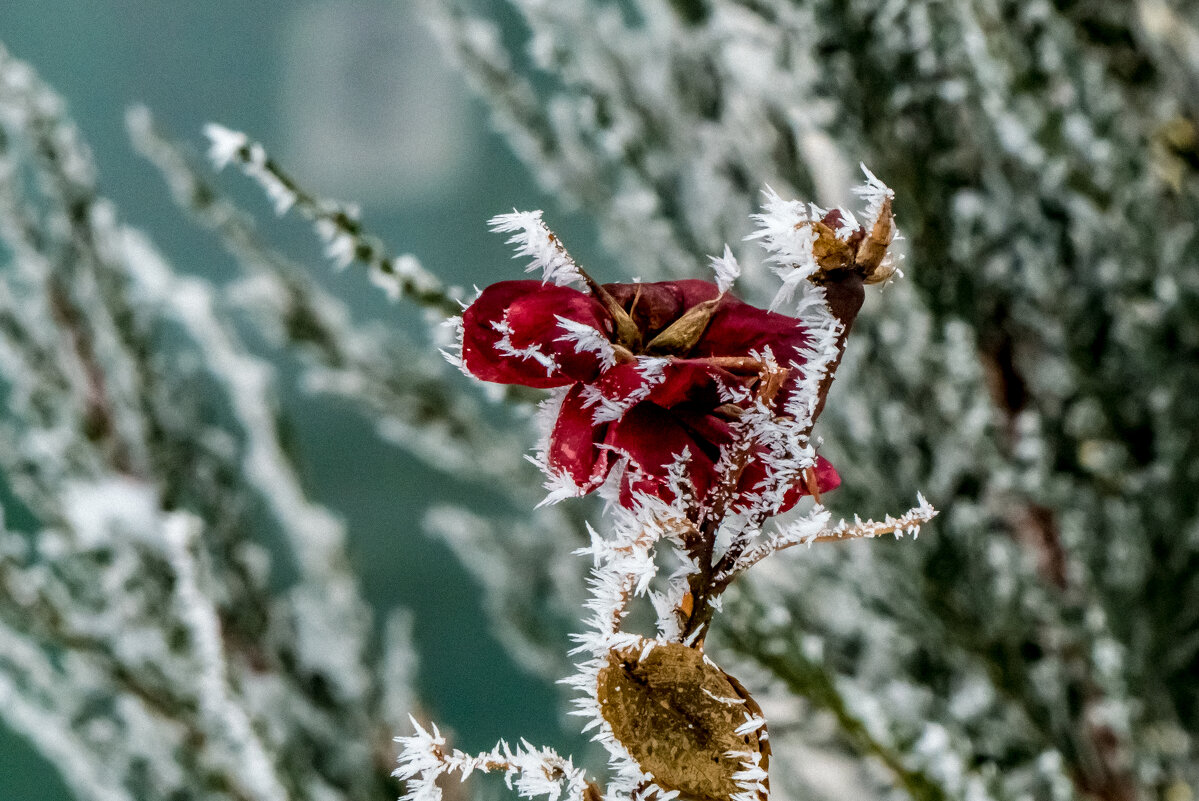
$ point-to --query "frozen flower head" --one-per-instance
(654, 377)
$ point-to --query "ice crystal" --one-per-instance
(534, 240)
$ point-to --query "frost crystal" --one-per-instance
(224, 144)
(534, 240)
(587, 339)
(726, 268)
(874, 192)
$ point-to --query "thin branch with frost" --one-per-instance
(335, 223)
(532, 772)
(534, 240)
(316, 537)
(809, 530)
(217, 703)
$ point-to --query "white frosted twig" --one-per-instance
(804, 532)
(532, 772)
(546, 253)
(63, 240)
(412, 406)
(335, 223)
(29, 711)
(316, 537)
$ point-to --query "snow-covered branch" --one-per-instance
(336, 223)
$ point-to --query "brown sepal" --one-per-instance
(628, 335)
(872, 251)
(681, 335)
(831, 253)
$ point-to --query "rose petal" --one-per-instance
(691, 381)
(738, 329)
(652, 439)
(512, 335)
(619, 389)
(754, 474)
(574, 443)
(827, 477)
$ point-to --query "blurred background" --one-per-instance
(1035, 375)
(354, 98)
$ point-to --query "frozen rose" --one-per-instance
(657, 373)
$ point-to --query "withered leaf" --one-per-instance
(677, 715)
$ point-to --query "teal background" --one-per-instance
(270, 68)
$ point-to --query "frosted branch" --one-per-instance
(534, 240)
(532, 772)
(335, 223)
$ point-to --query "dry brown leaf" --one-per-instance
(676, 714)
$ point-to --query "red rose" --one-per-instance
(658, 374)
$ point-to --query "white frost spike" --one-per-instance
(587, 339)
(874, 192)
(224, 144)
(751, 724)
(782, 230)
(453, 353)
(785, 234)
(558, 485)
(534, 239)
(420, 752)
(505, 346)
(727, 270)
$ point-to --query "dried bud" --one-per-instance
(678, 716)
(831, 253)
(871, 256)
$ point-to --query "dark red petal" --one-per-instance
(754, 474)
(737, 329)
(827, 477)
(693, 291)
(691, 381)
(530, 310)
(623, 380)
(575, 443)
(668, 383)
(709, 430)
(652, 438)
